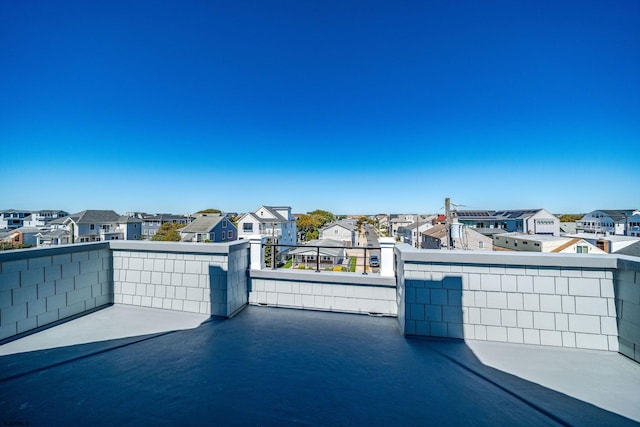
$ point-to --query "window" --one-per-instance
(247, 226)
(92, 227)
(582, 249)
(230, 234)
(481, 245)
(224, 223)
(224, 235)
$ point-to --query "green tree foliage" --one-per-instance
(168, 232)
(570, 217)
(309, 224)
(324, 217)
(209, 211)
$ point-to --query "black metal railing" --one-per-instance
(273, 257)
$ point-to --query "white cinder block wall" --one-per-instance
(346, 293)
(42, 286)
(208, 279)
(491, 297)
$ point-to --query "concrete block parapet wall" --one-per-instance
(627, 291)
(200, 278)
(541, 299)
(346, 293)
(39, 287)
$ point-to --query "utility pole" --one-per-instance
(448, 221)
(418, 231)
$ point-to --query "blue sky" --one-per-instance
(353, 107)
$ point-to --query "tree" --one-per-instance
(168, 232)
(309, 224)
(324, 217)
(570, 217)
(209, 211)
(234, 220)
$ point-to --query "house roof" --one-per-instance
(335, 248)
(279, 219)
(14, 211)
(28, 230)
(422, 223)
(631, 250)
(496, 215)
(94, 217)
(617, 214)
(533, 237)
(43, 211)
(55, 233)
(437, 231)
(203, 224)
(346, 224)
(566, 245)
(610, 237)
(59, 221)
(165, 217)
(126, 219)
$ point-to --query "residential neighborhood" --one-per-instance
(600, 231)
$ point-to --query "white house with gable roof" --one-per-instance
(274, 222)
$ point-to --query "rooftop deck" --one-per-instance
(126, 365)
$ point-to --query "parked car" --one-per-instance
(374, 261)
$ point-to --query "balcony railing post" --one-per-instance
(364, 267)
(256, 252)
(318, 259)
(386, 256)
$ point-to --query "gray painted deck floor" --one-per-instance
(266, 366)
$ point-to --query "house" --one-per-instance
(209, 228)
(344, 231)
(24, 236)
(531, 221)
(615, 222)
(55, 237)
(609, 243)
(99, 225)
(465, 238)
(151, 223)
(44, 217)
(399, 220)
(410, 233)
(331, 253)
(541, 243)
(274, 222)
(12, 218)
